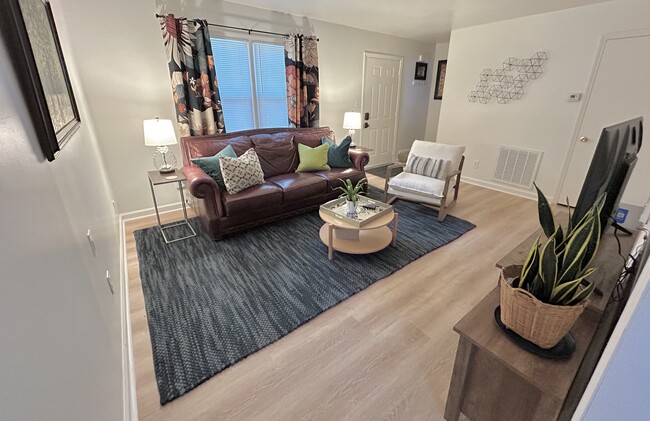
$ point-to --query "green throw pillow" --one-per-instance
(210, 164)
(338, 156)
(312, 159)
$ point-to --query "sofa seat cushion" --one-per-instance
(261, 195)
(299, 185)
(332, 176)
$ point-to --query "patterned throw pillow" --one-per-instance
(241, 173)
(429, 167)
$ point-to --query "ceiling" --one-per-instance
(422, 20)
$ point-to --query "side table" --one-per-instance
(157, 179)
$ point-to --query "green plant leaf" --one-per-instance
(582, 295)
(548, 268)
(564, 291)
(536, 287)
(570, 224)
(545, 215)
(594, 243)
(531, 266)
(576, 249)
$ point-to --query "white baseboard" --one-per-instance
(504, 189)
(403, 151)
(143, 213)
(129, 400)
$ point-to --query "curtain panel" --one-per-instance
(193, 78)
(301, 62)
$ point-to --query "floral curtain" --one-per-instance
(301, 61)
(193, 79)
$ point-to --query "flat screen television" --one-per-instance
(614, 159)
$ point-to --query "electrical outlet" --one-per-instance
(476, 162)
(110, 283)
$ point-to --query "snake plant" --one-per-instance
(351, 192)
(556, 268)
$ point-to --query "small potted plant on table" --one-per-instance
(544, 301)
(351, 193)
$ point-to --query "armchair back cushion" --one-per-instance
(435, 150)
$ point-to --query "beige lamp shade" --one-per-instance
(352, 120)
(159, 132)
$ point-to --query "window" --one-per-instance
(253, 95)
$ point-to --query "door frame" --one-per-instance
(374, 54)
(593, 74)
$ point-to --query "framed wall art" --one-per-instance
(440, 79)
(31, 38)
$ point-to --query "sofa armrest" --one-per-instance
(359, 159)
(202, 186)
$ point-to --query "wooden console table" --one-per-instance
(494, 379)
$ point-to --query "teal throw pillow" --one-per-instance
(210, 164)
(338, 156)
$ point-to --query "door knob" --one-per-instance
(366, 125)
(584, 139)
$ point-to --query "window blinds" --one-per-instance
(241, 109)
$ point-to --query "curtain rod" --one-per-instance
(238, 28)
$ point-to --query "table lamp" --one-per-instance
(160, 133)
(352, 122)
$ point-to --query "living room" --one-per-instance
(82, 291)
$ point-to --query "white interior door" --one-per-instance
(620, 92)
(382, 77)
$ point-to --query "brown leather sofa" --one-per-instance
(284, 193)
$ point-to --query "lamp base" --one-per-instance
(166, 170)
(164, 160)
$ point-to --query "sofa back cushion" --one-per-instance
(210, 146)
(276, 152)
(312, 137)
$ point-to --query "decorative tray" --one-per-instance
(338, 208)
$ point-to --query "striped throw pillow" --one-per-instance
(429, 167)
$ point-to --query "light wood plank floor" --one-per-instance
(384, 354)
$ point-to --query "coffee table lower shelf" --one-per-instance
(367, 241)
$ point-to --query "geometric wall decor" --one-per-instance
(507, 83)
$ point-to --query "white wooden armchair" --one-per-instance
(435, 160)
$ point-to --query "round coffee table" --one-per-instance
(346, 238)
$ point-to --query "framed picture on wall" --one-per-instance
(440, 79)
(30, 35)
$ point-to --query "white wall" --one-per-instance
(59, 324)
(543, 119)
(433, 117)
(124, 70)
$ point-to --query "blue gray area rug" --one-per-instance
(210, 304)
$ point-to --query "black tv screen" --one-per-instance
(610, 169)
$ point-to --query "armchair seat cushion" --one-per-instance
(419, 185)
(252, 198)
(299, 185)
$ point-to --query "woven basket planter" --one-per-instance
(541, 323)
